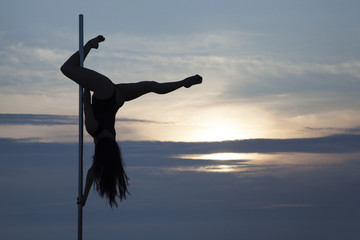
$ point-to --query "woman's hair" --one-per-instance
(109, 175)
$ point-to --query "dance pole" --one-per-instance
(81, 53)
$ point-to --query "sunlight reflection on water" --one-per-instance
(222, 156)
(221, 162)
(253, 163)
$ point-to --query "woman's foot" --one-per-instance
(94, 43)
(188, 82)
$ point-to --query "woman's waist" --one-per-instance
(104, 133)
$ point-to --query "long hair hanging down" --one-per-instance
(110, 178)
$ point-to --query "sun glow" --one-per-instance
(227, 123)
(218, 133)
(220, 130)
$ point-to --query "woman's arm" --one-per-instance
(88, 184)
(91, 123)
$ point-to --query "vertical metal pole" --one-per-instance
(81, 53)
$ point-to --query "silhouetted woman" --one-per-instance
(107, 171)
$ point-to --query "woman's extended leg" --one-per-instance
(130, 91)
(87, 78)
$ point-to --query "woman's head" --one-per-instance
(109, 175)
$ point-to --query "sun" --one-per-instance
(223, 123)
(220, 130)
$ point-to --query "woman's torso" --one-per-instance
(105, 113)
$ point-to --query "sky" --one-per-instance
(264, 148)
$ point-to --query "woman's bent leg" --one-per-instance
(87, 78)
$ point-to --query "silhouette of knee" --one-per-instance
(65, 69)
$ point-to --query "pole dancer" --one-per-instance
(107, 172)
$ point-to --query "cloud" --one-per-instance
(328, 144)
(63, 128)
(47, 119)
(335, 130)
(66, 123)
(37, 119)
(240, 65)
(287, 205)
(31, 70)
(269, 77)
(186, 203)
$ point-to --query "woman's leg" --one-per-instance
(87, 78)
(131, 91)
